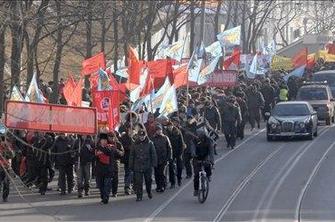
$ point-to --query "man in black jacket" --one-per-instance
(178, 146)
(63, 152)
(142, 160)
(127, 141)
(163, 150)
(84, 145)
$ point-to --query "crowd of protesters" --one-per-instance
(162, 147)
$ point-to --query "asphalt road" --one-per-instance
(288, 180)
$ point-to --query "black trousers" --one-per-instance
(4, 183)
(66, 175)
(160, 177)
(115, 182)
(187, 158)
(104, 184)
(254, 117)
(240, 129)
(197, 168)
(229, 129)
(175, 169)
(138, 182)
(42, 175)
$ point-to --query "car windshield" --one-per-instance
(329, 77)
(291, 110)
(307, 94)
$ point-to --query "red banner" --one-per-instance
(50, 118)
(104, 101)
(222, 78)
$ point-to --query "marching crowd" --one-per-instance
(161, 146)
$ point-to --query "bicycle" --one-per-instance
(203, 184)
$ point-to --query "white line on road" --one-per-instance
(166, 203)
(246, 180)
(308, 183)
(287, 172)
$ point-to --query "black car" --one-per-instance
(292, 119)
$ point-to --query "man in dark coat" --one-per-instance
(127, 141)
(231, 117)
(244, 115)
(142, 160)
(113, 140)
(178, 146)
(268, 93)
(164, 151)
(255, 104)
(85, 146)
(107, 156)
(63, 153)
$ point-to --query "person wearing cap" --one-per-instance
(268, 93)
(178, 146)
(114, 140)
(106, 155)
(164, 151)
(255, 105)
(142, 160)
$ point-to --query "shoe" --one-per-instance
(114, 195)
(62, 193)
(105, 201)
(172, 186)
(80, 195)
(195, 193)
(139, 199)
(150, 195)
(127, 192)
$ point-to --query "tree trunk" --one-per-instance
(2, 68)
(58, 57)
(103, 32)
(17, 34)
(202, 22)
(116, 36)
(88, 38)
(192, 24)
(243, 24)
(216, 18)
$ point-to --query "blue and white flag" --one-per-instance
(255, 67)
(230, 37)
(34, 94)
(103, 81)
(169, 103)
(207, 71)
(214, 50)
(194, 66)
(16, 94)
(158, 98)
(298, 72)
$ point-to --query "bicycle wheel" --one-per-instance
(203, 192)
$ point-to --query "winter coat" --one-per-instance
(85, 150)
(230, 113)
(126, 141)
(142, 156)
(255, 101)
(177, 141)
(268, 93)
(163, 148)
(212, 115)
(107, 165)
(63, 149)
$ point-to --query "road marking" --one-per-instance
(237, 191)
(166, 203)
(309, 181)
(296, 159)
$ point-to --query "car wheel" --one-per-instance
(310, 136)
(328, 121)
(269, 138)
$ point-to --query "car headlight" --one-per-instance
(273, 126)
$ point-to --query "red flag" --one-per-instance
(77, 94)
(69, 86)
(148, 87)
(180, 76)
(160, 68)
(93, 64)
(300, 58)
(134, 67)
(113, 112)
(233, 59)
(310, 62)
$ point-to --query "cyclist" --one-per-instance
(203, 155)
